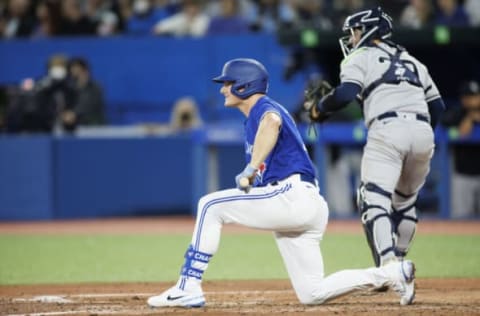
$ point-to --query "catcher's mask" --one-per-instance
(247, 76)
(374, 24)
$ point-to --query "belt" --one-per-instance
(303, 177)
(385, 115)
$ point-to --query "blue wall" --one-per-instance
(106, 177)
(26, 184)
(47, 178)
(142, 77)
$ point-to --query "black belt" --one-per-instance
(385, 115)
(303, 177)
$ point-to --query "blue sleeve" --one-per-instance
(435, 108)
(340, 97)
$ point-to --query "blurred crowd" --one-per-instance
(196, 18)
(63, 99)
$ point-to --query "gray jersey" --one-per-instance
(368, 64)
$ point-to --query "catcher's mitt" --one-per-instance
(315, 91)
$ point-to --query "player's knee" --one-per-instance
(207, 199)
(311, 294)
(371, 195)
(207, 206)
(317, 297)
(402, 201)
(306, 298)
(202, 202)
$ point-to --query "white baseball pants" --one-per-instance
(298, 215)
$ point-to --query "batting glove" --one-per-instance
(248, 173)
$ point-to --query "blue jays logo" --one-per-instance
(261, 170)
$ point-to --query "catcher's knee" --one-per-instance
(401, 200)
(371, 194)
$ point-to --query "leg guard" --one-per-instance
(404, 226)
(196, 263)
(376, 223)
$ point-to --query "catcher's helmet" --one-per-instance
(247, 74)
(374, 24)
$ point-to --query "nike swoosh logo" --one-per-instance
(173, 298)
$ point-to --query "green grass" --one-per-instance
(76, 259)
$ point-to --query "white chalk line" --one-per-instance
(68, 299)
(64, 298)
(74, 312)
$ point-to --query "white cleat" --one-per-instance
(403, 280)
(177, 297)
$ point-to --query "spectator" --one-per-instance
(190, 21)
(229, 19)
(102, 14)
(49, 18)
(268, 15)
(87, 105)
(74, 20)
(473, 10)
(451, 13)
(466, 176)
(394, 6)
(312, 14)
(185, 115)
(342, 9)
(144, 16)
(34, 106)
(124, 11)
(18, 19)
(417, 15)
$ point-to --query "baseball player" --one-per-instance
(276, 191)
(401, 105)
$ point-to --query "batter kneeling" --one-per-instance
(281, 195)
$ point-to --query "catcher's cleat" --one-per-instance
(175, 297)
(402, 275)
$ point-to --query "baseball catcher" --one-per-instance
(401, 105)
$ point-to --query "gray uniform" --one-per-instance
(395, 89)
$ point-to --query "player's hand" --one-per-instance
(245, 178)
(317, 114)
(315, 92)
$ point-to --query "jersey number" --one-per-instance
(401, 70)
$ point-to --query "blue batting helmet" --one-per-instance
(374, 24)
(248, 77)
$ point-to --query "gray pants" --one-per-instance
(396, 160)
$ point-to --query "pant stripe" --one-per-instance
(230, 199)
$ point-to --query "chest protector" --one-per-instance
(397, 72)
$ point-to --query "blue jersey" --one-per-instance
(289, 156)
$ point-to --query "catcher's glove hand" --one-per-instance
(315, 91)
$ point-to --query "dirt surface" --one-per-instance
(434, 296)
